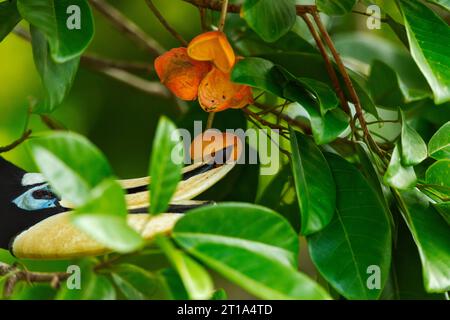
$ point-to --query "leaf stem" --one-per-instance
(25, 135)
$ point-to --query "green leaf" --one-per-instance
(173, 284)
(265, 75)
(55, 18)
(104, 218)
(439, 144)
(316, 192)
(269, 19)
(195, 278)
(251, 246)
(9, 17)
(164, 171)
(426, 31)
(439, 173)
(92, 286)
(57, 78)
(71, 164)
(220, 295)
(413, 148)
(261, 74)
(406, 280)
(432, 237)
(444, 209)
(335, 7)
(397, 175)
(358, 237)
(385, 86)
(390, 7)
(325, 129)
(134, 282)
(326, 97)
(443, 3)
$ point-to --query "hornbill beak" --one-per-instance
(45, 231)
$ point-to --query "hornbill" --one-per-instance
(35, 222)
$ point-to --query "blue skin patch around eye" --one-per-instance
(26, 201)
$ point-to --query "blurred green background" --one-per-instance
(120, 120)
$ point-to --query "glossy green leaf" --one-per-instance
(173, 284)
(358, 237)
(426, 31)
(261, 74)
(195, 278)
(439, 174)
(406, 281)
(269, 19)
(9, 17)
(134, 282)
(335, 7)
(104, 218)
(397, 175)
(251, 246)
(326, 97)
(432, 237)
(92, 285)
(57, 78)
(71, 164)
(325, 129)
(413, 148)
(313, 67)
(388, 90)
(220, 295)
(68, 25)
(439, 144)
(164, 170)
(444, 209)
(443, 3)
(314, 183)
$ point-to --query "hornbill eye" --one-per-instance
(37, 198)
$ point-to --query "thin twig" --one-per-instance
(15, 275)
(150, 87)
(127, 27)
(293, 122)
(164, 22)
(348, 82)
(329, 66)
(216, 5)
(25, 135)
(52, 123)
(95, 61)
(284, 151)
(223, 15)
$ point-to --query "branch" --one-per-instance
(293, 122)
(223, 14)
(15, 275)
(14, 144)
(150, 87)
(127, 27)
(329, 66)
(95, 62)
(348, 82)
(216, 5)
(164, 22)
